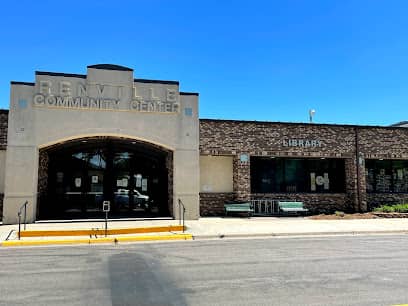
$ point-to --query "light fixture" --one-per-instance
(311, 114)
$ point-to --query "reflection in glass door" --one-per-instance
(132, 177)
(122, 185)
(94, 181)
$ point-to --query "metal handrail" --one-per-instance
(24, 206)
(181, 215)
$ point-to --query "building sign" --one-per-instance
(304, 143)
(106, 97)
(319, 180)
(151, 103)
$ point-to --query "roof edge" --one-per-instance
(307, 124)
(110, 67)
(22, 83)
(68, 75)
(185, 93)
(156, 81)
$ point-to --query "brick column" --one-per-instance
(242, 176)
(351, 184)
(357, 198)
(363, 184)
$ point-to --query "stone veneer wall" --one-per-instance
(3, 128)
(378, 199)
(315, 202)
(383, 143)
(170, 171)
(212, 204)
(354, 144)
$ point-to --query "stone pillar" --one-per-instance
(242, 176)
(42, 179)
(169, 167)
(186, 183)
(20, 183)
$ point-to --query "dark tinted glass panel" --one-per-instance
(384, 176)
(81, 175)
(274, 175)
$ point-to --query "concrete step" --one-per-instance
(101, 231)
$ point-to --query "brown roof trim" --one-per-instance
(22, 83)
(4, 111)
(110, 67)
(156, 81)
(183, 93)
(306, 124)
(68, 75)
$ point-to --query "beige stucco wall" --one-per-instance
(33, 126)
(216, 174)
(2, 169)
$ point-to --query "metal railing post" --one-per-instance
(179, 208)
(25, 215)
(19, 225)
(19, 218)
(184, 212)
(181, 213)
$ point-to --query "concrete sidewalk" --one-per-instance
(207, 228)
(291, 226)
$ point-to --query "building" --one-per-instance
(401, 124)
(71, 141)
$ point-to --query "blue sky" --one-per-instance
(250, 60)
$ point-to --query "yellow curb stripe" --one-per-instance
(159, 237)
(11, 243)
(101, 232)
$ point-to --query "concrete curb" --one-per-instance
(101, 231)
(115, 240)
(261, 235)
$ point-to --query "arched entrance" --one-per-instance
(75, 177)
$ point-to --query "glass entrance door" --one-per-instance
(80, 181)
(122, 182)
(84, 175)
(94, 184)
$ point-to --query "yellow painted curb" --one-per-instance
(101, 231)
(11, 243)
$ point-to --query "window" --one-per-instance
(281, 175)
(384, 176)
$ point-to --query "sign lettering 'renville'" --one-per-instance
(107, 97)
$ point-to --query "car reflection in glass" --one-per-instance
(139, 200)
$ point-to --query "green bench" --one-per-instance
(291, 207)
(246, 207)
